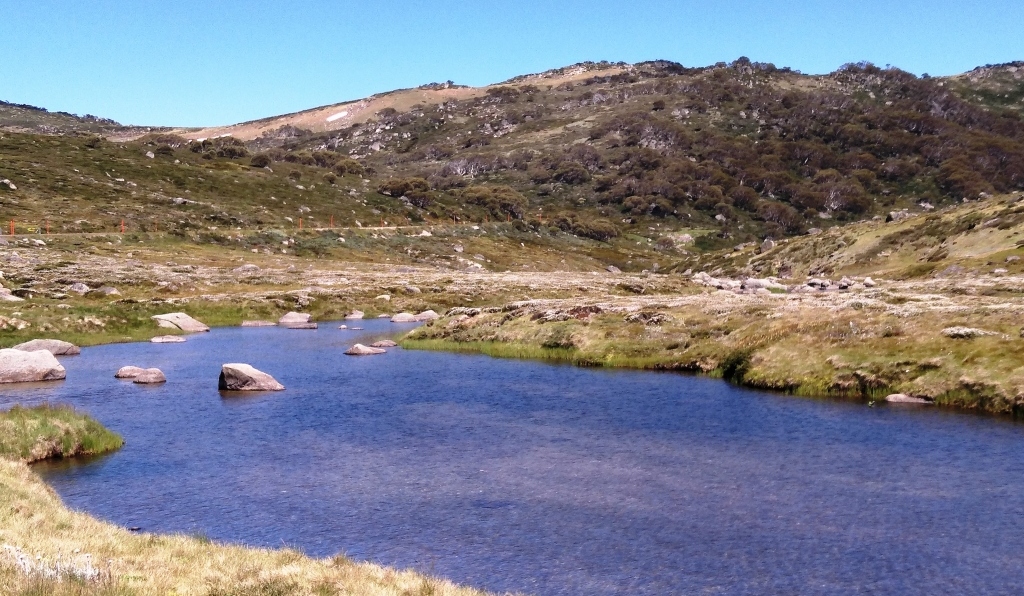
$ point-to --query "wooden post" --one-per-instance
(12, 227)
(47, 227)
(332, 221)
(122, 226)
(300, 223)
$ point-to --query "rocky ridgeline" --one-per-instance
(772, 285)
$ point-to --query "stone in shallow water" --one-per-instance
(243, 377)
(361, 350)
(258, 324)
(150, 376)
(25, 367)
(168, 339)
(128, 372)
(384, 343)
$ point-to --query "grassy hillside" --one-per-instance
(742, 151)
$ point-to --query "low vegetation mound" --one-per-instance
(52, 432)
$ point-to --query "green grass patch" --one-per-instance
(52, 432)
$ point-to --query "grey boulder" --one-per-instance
(150, 376)
(243, 377)
(168, 339)
(17, 366)
(128, 372)
(355, 315)
(361, 350)
(53, 346)
(384, 343)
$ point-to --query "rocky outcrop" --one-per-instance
(404, 317)
(7, 296)
(384, 343)
(427, 315)
(355, 315)
(361, 350)
(17, 366)
(53, 346)
(79, 288)
(180, 320)
(243, 377)
(128, 372)
(259, 324)
(168, 339)
(965, 332)
(150, 376)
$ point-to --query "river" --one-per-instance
(547, 479)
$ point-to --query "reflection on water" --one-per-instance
(524, 476)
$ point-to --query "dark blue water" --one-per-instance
(512, 475)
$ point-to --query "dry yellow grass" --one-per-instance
(34, 523)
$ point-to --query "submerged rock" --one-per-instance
(361, 350)
(168, 339)
(384, 343)
(150, 376)
(259, 324)
(243, 377)
(301, 326)
(17, 366)
(53, 346)
(128, 372)
(180, 320)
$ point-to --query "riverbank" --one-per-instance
(957, 350)
(45, 548)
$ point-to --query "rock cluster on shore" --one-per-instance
(772, 285)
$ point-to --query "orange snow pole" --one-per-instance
(300, 223)
(12, 227)
(332, 221)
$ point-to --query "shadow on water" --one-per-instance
(513, 475)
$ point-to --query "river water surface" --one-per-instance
(523, 476)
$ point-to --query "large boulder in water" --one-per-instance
(17, 366)
(361, 350)
(384, 343)
(53, 346)
(179, 320)
(128, 372)
(150, 376)
(242, 377)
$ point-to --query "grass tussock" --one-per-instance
(46, 432)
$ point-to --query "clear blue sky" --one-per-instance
(188, 63)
